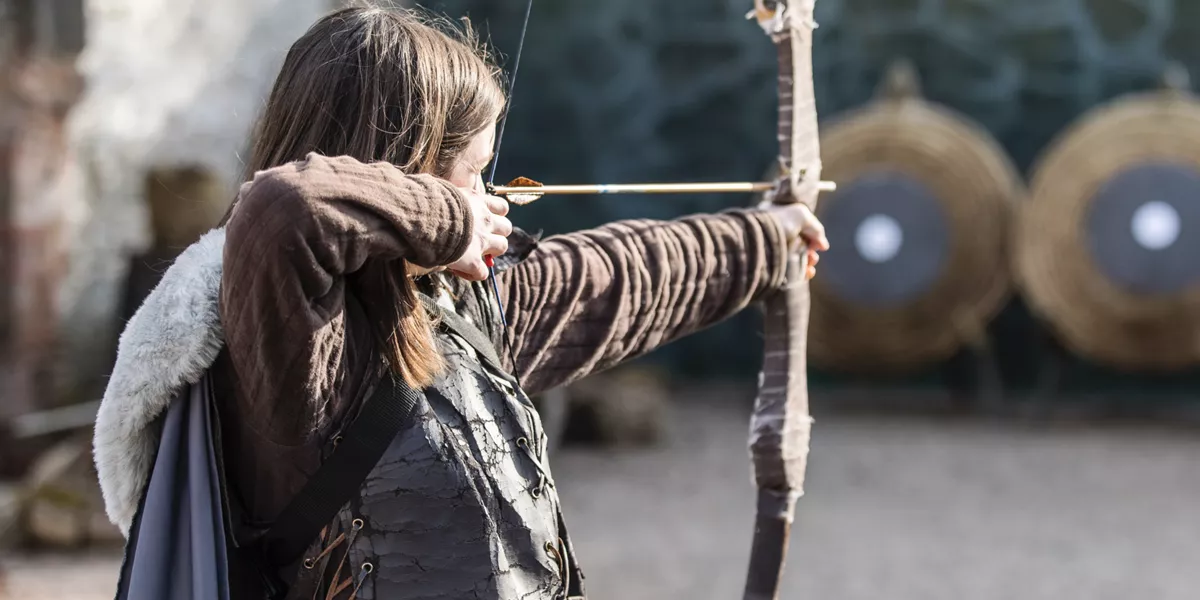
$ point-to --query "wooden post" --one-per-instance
(8, 391)
(39, 42)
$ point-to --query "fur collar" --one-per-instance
(172, 339)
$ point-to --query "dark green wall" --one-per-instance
(670, 90)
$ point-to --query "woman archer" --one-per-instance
(353, 260)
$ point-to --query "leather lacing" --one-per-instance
(363, 571)
(544, 478)
(559, 554)
(336, 585)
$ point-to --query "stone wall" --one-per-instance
(173, 87)
(38, 192)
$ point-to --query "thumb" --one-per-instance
(813, 232)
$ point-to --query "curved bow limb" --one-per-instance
(780, 425)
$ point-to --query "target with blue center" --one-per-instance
(1107, 245)
(889, 240)
(918, 232)
(1142, 228)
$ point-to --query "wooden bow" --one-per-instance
(780, 425)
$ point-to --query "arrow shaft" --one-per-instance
(650, 188)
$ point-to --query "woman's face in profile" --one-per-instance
(467, 173)
(468, 169)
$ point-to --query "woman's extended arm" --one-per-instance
(586, 301)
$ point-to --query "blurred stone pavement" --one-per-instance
(902, 508)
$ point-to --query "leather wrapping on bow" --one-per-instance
(781, 425)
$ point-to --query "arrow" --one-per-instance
(523, 190)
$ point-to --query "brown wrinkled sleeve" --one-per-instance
(587, 301)
(294, 234)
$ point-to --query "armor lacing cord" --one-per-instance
(365, 570)
(559, 555)
(311, 562)
(340, 587)
(337, 587)
(544, 478)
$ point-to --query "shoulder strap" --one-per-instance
(453, 323)
(389, 409)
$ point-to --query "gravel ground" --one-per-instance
(898, 507)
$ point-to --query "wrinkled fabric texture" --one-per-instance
(461, 505)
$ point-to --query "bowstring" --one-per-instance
(512, 86)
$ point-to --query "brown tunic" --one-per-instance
(299, 353)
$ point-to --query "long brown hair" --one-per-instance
(383, 84)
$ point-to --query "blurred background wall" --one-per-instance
(171, 90)
(649, 90)
(125, 124)
(949, 123)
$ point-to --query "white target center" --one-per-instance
(1155, 225)
(878, 238)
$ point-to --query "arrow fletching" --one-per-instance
(524, 196)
